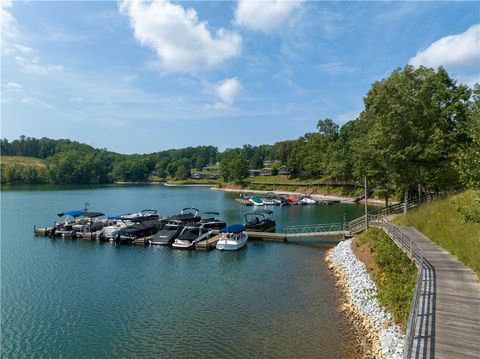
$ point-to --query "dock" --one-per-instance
(208, 243)
(244, 201)
(268, 236)
(42, 231)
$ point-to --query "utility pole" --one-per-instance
(366, 196)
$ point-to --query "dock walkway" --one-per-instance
(448, 319)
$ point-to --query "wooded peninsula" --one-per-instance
(418, 130)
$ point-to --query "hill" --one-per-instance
(453, 223)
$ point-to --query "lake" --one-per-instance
(77, 298)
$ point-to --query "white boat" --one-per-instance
(308, 200)
(232, 238)
(190, 235)
(257, 201)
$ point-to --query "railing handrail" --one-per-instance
(323, 227)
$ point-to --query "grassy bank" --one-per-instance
(391, 270)
(10, 161)
(444, 222)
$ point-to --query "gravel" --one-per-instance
(361, 290)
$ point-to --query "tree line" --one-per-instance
(419, 130)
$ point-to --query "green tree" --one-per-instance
(234, 165)
(410, 130)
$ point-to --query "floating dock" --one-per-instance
(268, 236)
(43, 231)
(208, 243)
(244, 201)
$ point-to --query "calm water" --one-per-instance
(76, 298)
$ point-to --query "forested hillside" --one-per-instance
(419, 130)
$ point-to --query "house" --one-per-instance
(198, 175)
(283, 171)
(214, 176)
(254, 173)
(271, 162)
(266, 172)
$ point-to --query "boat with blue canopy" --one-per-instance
(232, 238)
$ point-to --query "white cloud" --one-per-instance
(336, 68)
(23, 49)
(32, 65)
(266, 16)
(12, 87)
(227, 92)
(228, 89)
(182, 42)
(455, 52)
(6, 19)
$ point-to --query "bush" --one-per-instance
(396, 276)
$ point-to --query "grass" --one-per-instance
(443, 223)
(392, 271)
(22, 161)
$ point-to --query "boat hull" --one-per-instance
(223, 245)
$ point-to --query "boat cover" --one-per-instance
(74, 213)
(93, 214)
(114, 217)
(234, 228)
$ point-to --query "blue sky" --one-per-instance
(138, 77)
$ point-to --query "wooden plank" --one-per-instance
(455, 299)
(208, 243)
(268, 236)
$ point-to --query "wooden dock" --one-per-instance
(208, 243)
(448, 320)
(267, 236)
(42, 231)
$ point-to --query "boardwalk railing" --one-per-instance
(414, 253)
(314, 228)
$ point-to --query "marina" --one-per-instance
(95, 284)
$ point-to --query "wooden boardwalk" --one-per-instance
(449, 315)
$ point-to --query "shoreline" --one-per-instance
(379, 336)
(321, 197)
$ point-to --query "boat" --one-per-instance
(292, 200)
(144, 223)
(76, 222)
(308, 200)
(271, 199)
(190, 235)
(257, 201)
(187, 215)
(260, 221)
(116, 224)
(232, 238)
(209, 220)
(168, 233)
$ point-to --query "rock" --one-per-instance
(385, 337)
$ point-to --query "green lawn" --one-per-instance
(22, 161)
(284, 180)
(442, 221)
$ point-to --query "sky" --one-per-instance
(139, 77)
